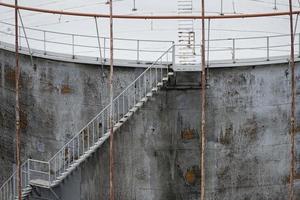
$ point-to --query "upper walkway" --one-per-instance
(68, 47)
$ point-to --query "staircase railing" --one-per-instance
(92, 135)
(8, 191)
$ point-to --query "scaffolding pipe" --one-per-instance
(203, 103)
(26, 38)
(207, 56)
(293, 106)
(170, 17)
(99, 46)
(111, 141)
(99, 43)
(17, 108)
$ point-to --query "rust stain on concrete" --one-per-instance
(23, 119)
(226, 137)
(10, 77)
(191, 175)
(188, 134)
(65, 89)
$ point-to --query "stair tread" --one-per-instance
(39, 182)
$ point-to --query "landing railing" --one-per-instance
(76, 46)
(218, 51)
(91, 136)
(243, 49)
(9, 189)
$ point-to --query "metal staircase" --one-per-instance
(186, 34)
(48, 174)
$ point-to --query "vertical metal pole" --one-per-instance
(138, 51)
(134, 7)
(49, 173)
(98, 38)
(268, 48)
(45, 50)
(233, 50)
(17, 108)
(233, 7)
(293, 106)
(299, 44)
(203, 104)
(221, 13)
(104, 49)
(28, 166)
(275, 5)
(207, 56)
(173, 54)
(151, 22)
(26, 38)
(111, 141)
(20, 38)
(73, 48)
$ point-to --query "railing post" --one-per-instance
(104, 49)
(73, 47)
(49, 174)
(28, 166)
(268, 48)
(299, 45)
(173, 54)
(45, 50)
(138, 51)
(20, 39)
(233, 50)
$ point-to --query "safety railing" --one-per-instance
(97, 130)
(30, 170)
(9, 189)
(91, 136)
(75, 46)
(238, 50)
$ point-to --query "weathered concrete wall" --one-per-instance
(157, 151)
(156, 154)
(57, 99)
(248, 133)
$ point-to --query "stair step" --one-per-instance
(124, 119)
(155, 89)
(39, 183)
(171, 74)
(139, 104)
(165, 79)
(118, 125)
(149, 94)
(88, 152)
(134, 109)
(160, 84)
(145, 99)
(129, 114)
(75, 163)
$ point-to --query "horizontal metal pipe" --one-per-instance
(170, 17)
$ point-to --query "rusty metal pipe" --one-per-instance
(17, 108)
(293, 105)
(111, 141)
(170, 17)
(203, 102)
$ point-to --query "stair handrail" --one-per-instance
(105, 108)
(156, 65)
